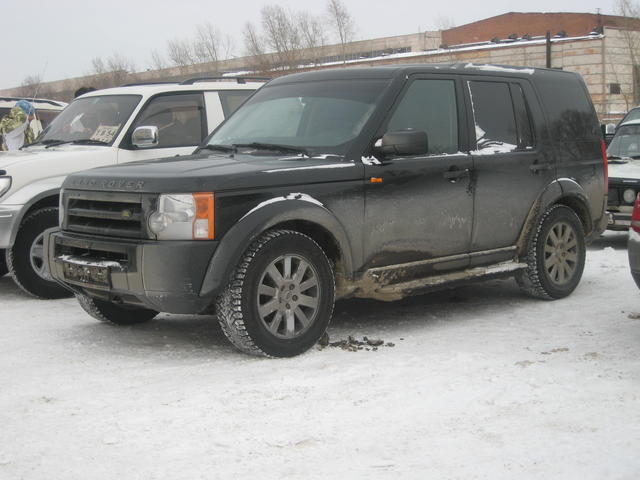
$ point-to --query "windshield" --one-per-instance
(626, 143)
(97, 119)
(319, 117)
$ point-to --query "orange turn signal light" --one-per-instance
(375, 180)
(203, 225)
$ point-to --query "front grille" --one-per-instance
(105, 214)
(616, 190)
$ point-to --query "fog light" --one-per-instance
(629, 195)
(157, 222)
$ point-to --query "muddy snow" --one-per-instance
(476, 382)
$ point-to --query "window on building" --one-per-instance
(614, 88)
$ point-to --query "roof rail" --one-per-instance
(55, 103)
(138, 84)
(240, 80)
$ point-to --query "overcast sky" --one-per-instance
(59, 38)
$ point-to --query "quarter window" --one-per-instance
(430, 106)
(179, 119)
(495, 122)
(231, 100)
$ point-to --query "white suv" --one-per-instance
(104, 127)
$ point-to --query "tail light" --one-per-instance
(635, 216)
(603, 148)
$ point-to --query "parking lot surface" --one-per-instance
(476, 382)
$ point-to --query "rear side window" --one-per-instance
(494, 117)
(526, 138)
(569, 108)
(430, 106)
(232, 100)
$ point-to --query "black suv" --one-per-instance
(368, 182)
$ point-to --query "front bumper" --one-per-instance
(161, 275)
(9, 223)
(618, 220)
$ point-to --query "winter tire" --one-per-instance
(3, 264)
(115, 314)
(25, 260)
(279, 300)
(555, 255)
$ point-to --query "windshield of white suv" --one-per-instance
(318, 117)
(91, 120)
(626, 143)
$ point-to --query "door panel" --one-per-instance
(510, 170)
(420, 207)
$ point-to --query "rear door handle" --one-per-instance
(455, 173)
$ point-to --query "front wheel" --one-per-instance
(26, 261)
(115, 314)
(555, 256)
(280, 297)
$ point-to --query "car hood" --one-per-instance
(30, 157)
(631, 169)
(216, 172)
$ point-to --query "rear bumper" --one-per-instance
(161, 275)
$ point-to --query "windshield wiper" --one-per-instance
(272, 146)
(80, 141)
(218, 148)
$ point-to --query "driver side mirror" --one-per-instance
(405, 143)
(145, 137)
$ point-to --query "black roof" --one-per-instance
(392, 71)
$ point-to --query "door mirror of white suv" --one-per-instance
(145, 137)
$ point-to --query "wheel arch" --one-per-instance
(303, 215)
(564, 191)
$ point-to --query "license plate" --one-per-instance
(86, 274)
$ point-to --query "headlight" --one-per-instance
(183, 217)
(5, 185)
(629, 195)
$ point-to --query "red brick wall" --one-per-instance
(535, 24)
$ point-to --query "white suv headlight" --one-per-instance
(5, 185)
(183, 217)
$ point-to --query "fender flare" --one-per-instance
(555, 192)
(29, 195)
(297, 207)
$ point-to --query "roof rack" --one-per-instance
(240, 80)
(55, 103)
(138, 84)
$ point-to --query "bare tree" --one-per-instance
(210, 45)
(157, 60)
(312, 36)
(342, 23)
(30, 86)
(281, 34)
(254, 46)
(180, 52)
(630, 10)
(443, 22)
(116, 70)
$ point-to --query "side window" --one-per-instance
(430, 106)
(231, 100)
(494, 117)
(179, 119)
(526, 138)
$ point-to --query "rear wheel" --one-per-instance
(556, 255)
(280, 297)
(115, 314)
(25, 260)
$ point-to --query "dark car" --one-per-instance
(368, 182)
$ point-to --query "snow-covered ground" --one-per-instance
(482, 382)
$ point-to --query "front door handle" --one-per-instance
(455, 173)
